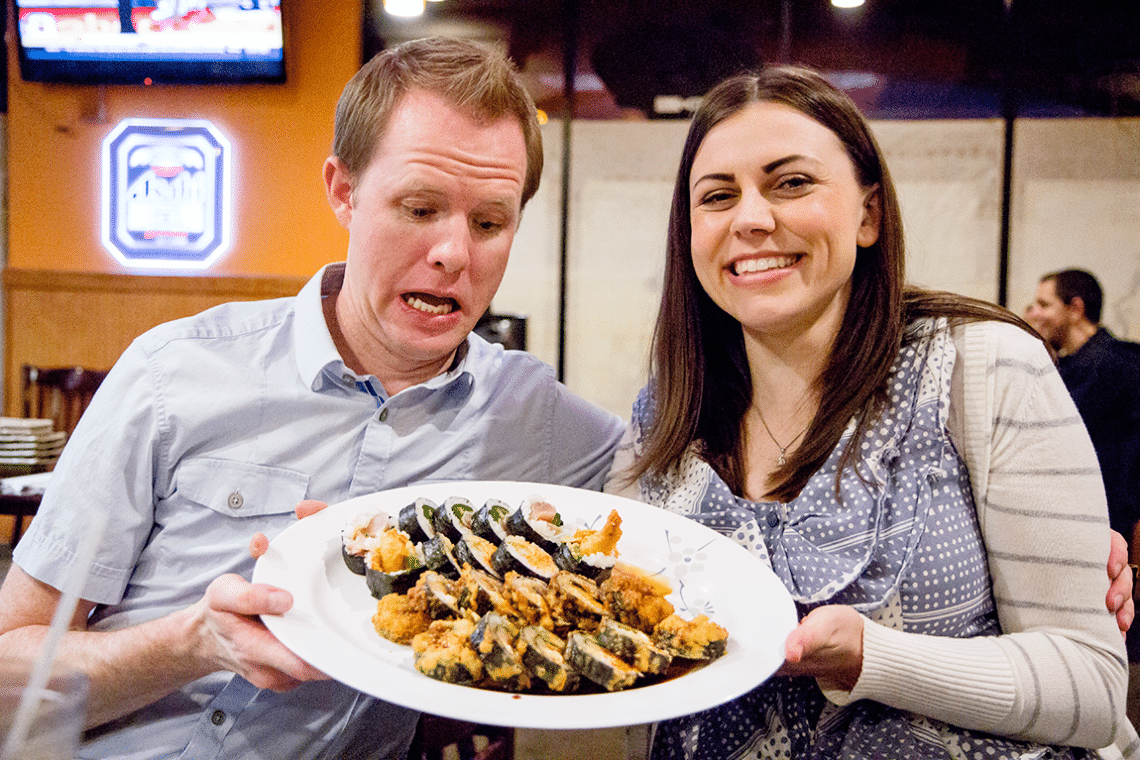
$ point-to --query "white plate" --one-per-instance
(330, 624)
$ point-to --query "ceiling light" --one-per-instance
(847, 3)
(406, 8)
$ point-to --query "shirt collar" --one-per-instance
(318, 360)
(313, 343)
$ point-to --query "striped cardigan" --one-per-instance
(1059, 673)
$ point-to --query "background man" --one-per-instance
(212, 428)
(1102, 374)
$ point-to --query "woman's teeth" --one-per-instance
(763, 265)
(427, 308)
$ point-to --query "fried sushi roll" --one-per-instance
(444, 652)
(541, 653)
(696, 639)
(600, 665)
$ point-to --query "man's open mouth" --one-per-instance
(429, 304)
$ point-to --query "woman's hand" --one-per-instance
(827, 644)
(1119, 599)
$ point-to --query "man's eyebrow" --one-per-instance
(508, 202)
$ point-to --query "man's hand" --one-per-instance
(259, 544)
(239, 640)
(1119, 599)
(230, 634)
(827, 644)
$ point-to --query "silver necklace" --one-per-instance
(780, 460)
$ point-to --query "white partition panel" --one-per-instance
(622, 185)
(1077, 204)
(530, 285)
(948, 176)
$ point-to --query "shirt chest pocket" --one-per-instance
(240, 489)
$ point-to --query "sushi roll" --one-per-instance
(394, 565)
(600, 665)
(696, 639)
(521, 556)
(487, 522)
(636, 597)
(439, 555)
(541, 653)
(398, 619)
(575, 602)
(477, 552)
(453, 518)
(538, 522)
(633, 646)
(526, 599)
(435, 595)
(493, 640)
(477, 593)
(596, 567)
(444, 652)
(591, 553)
(416, 520)
(360, 536)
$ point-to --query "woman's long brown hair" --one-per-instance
(700, 382)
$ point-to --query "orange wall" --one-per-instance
(280, 134)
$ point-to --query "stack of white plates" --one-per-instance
(29, 442)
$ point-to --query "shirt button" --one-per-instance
(772, 519)
(235, 500)
(383, 414)
(348, 379)
(218, 717)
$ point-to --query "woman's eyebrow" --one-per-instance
(771, 167)
(715, 177)
(767, 168)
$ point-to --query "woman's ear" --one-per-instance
(339, 188)
(868, 233)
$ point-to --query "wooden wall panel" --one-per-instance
(66, 319)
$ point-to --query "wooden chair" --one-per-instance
(59, 394)
(435, 735)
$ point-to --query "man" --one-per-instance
(1102, 374)
(210, 429)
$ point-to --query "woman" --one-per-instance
(908, 462)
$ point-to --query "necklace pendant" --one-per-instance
(780, 461)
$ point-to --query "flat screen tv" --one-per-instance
(151, 41)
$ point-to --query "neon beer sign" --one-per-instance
(166, 193)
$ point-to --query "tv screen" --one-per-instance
(151, 41)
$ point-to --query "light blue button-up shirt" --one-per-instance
(213, 427)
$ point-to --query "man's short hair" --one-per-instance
(473, 77)
(1077, 283)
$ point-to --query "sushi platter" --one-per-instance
(331, 627)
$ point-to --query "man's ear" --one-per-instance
(339, 187)
(1077, 307)
(868, 233)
